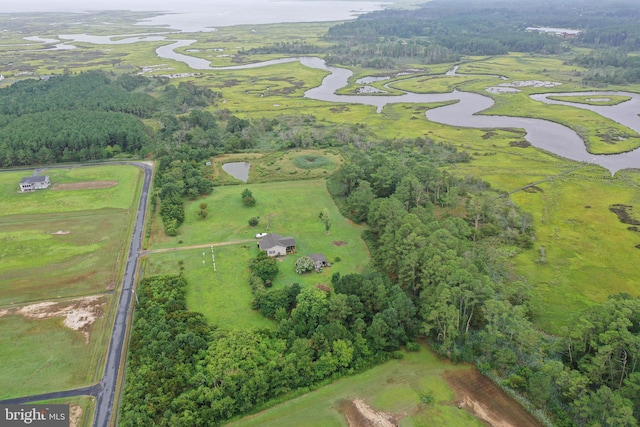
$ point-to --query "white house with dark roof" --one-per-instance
(275, 245)
(33, 183)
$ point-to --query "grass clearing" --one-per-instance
(66, 361)
(120, 196)
(223, 296)
(394, 387)
(86, 248)
(292, 208)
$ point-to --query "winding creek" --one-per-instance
(543, 134)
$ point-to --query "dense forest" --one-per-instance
(445, 31)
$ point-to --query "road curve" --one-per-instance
(105, 390)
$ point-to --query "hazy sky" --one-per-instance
(173, 5)
(202, 15)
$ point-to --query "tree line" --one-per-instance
(444, 31)
(471, 307)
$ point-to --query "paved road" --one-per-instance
(105, 398)
(105, 390)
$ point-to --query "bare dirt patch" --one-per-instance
(485, 400)
(79, 314)
(75, 415)
(87, 185)
(339, 243)
(359, 414)
(61, 232)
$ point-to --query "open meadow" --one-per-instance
(418, 390)
(288, 208)
(62, 250)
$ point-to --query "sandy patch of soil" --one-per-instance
(359, 414)
(339, 243)
(75, 415)
(61, 232)
(87, 185)
(481, 397)
(79, 314)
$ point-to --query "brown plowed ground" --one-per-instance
(481, 397)
(87, 185)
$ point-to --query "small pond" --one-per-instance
(238, 170)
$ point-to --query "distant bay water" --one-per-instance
(202, 15)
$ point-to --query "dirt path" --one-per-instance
(481, 397)
(359, 414)
(204, 245)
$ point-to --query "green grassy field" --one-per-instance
(291, 208)
(77, 230)
(120, 196)
(590, 254)
(87, 260)
(224, 296)
(394, 387)
(56, 244)
(66, 361)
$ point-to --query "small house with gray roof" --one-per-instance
(319, 260)
(275, 245)
(33, 183)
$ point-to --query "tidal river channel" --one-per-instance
(540, 133)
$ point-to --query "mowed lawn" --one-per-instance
(224, 296)
(293, 208)
(395, 387)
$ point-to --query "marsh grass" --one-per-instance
(312, 162)
(279, 165)
(604, 100)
